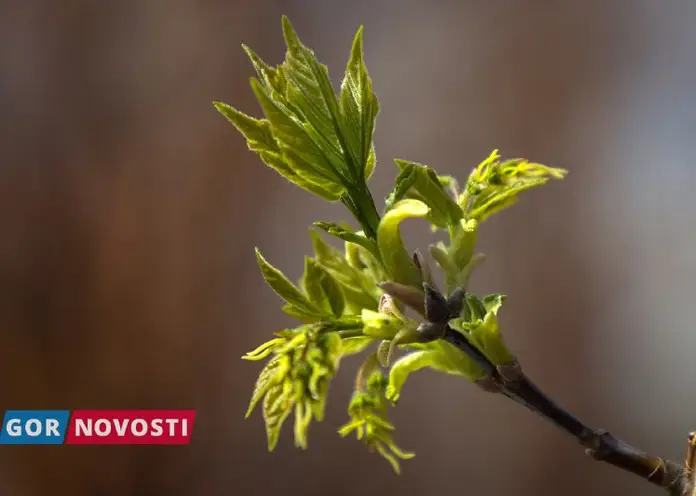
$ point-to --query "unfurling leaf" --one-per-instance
(264, 350)
(260, 139)
(363, 260)
(494, 185)
(271, 374)
(381, 325)
(322, 289)
(407, 335)
(463, 242)
(369, 422)
(351, 237)
(302, 315)
(277, 405)
(256, 131)
(284, 288)
(296, 379)
(426, 187)
(352, 346)
(299, 148)
(397, 260)
(312, 138)
(437, 355)
(480, 325)
(358, 286)
(311, 97)
(359, 108)
(406, 178)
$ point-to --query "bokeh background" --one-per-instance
(129, 210)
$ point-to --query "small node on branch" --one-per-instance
(511, 372)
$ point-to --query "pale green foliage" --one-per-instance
(380, 325)
(494, 184)
(356, 270)
(296, 377)
(479, 322)
(436, 355)
(346, 234)
(369, 423)
(299, 303)
(397, 261)
(420, 182)
(481, 326)
(317, 140)
(322, 142)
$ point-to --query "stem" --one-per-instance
(351, 333)
(361, 204)
(347, 323)
(599, 444)
(462, 343)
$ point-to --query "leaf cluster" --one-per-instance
(374, 297)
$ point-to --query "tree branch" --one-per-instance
(599, 444)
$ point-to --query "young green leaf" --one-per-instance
(321, 142)
(271, 77)
(359, 289)
(311, 285)
(355, 345)
(309, 159)
(363, 259)
(477, 310)
(368, 412)
(463, 242)
(298, 374)
(333, 293)
(494, 185)
(359, 108)
(322, 289)
(311, 94)
(437, 355)
(270, 376)
(380, 325)
(342, 233)
(256, 131)
(397, 260)
(407, 176)
(302, 315)
(284, 288)
(482, 328)
(277, 405)
(303, 416)
(264, 350)
(426, 187)
(260, 139)
(493, 302)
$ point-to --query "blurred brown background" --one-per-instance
(129, 211)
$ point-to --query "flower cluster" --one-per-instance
(368, 412)
(295, 378)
